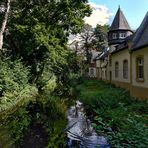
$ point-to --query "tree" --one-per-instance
(87, 38)
(4, 18)
(83, 42)
(91, 39)
(100, 33)
(38, 31)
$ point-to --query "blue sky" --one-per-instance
(134, 10)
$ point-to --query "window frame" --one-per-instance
(138, 65)
(91, 71)
(114, 35)
(122, 35)
(116, 69)
(125, 69)
(110, 61)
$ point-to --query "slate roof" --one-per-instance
(140, 38)
(119, 22)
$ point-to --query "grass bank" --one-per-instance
(115, 114)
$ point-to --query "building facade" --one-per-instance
(127, 59)
(139, 61)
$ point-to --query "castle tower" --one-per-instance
(119, 30)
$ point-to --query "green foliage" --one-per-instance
(135, 136)
(18, 123)
(50, 112)
(14, 87)
(15, 94)
(115, 114)
(47, 80)
(100, 34)
(57, 123)
(38, 32)
(13, 129)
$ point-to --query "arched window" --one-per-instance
(116, 69)
(125, 69)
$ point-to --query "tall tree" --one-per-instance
(38, 31)
(100, 33)
(86, 38)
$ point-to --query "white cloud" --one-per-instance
(100, 15)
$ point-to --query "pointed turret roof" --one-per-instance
(141, 36)
(120, 22)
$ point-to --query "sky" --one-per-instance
(105, 10)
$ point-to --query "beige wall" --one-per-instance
(139, 92)
(142, 52)
(120, 57)
(137, 89)
(104, 73)
(98, 63)
(122, 84)
(101, 71)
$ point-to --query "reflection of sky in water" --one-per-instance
(80, 131)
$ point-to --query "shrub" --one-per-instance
(14, 87)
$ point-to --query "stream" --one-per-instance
(80, 133)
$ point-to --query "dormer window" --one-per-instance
(122, 35)
(114, 36)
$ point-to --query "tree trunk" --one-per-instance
(2, 29)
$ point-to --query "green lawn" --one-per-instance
(115, 114)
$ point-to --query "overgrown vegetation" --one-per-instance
(115, 114)
(37, 68)
(14, 86)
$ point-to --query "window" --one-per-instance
(114, 36)
(122, 35)
(105, 74)
(140, 68)
(110, 61)
(116, 69)
(91, 71)
(125, 69)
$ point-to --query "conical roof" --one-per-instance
(120, 22)
(141, 36)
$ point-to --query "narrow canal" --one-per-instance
(80, 132)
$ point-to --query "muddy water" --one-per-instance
(80, 133)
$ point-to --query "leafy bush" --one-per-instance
(15, 94)
(13, 129)
(14, 86)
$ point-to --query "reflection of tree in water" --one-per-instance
(36, 137)
(80, 133)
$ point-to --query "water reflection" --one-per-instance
(80, 133)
